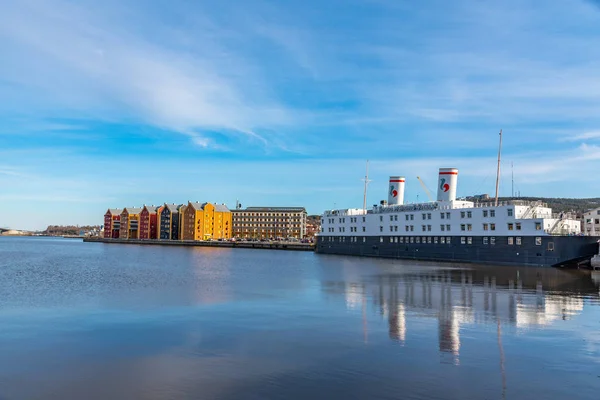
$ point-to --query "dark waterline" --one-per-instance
(96, 321)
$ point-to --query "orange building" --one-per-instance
(130, 219)
(205, 221)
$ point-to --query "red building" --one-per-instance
(112, 223)
(148, 226)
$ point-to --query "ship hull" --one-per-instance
(554, 251)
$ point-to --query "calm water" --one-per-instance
(94, 321)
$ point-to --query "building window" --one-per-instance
(424, 217)
(442, 228)
(412, 217)
(428, 228)
(391, 228)
(447, 215)
(492, 240)
(381, 229)
(538, 241)
(510, 212)
(492, 227)
(395, 228)
(424, 228)
(381, 218)
(412, 228)
(492, 213)
(406, 217)
(469, 214)
(395, 217)
(428, 215)
(442, 215)
(462, 227)
(485, 213)
(391, 217)
(469, 227)
(510, 241)
(364, 229)
(470, 240)
(462, 214)
(518, 226)
(485, 240)
(463, 240)
(518, 241)
(510, 227)
(407, 229)
(448, 228)
(485, 227)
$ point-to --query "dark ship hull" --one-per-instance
(552, 251)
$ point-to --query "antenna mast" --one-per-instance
(365, 192)
(512, 172)
(498, 171)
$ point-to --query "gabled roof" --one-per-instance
(151, 209)
(132, 210)
(196, 206)
(173, 208)
(114, 211)
(221, 208)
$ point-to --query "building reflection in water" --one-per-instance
(522, 298)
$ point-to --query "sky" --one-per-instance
(128, 102)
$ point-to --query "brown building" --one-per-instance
(112, 223)
(269, 222)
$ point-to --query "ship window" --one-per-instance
(429, 239)
(448, 228)
(395, 218)
(406, 217)
(462, 214)
(395, 228)
(485, 240)
(492, 240)
(418, 239)
(518, 226)
(406, 226)
(412, 217)
(485, 213)
(364, 219)
(428, 228)
(412, 239)
(391, 228)
(469, 227)
(485, 227)
(412, 228)
(469, 214)
(518, 241)
(381, 229)
(510, 212)
(442, 215)
(538, 241)
(381, 218)
(442, 241)
(510, 227)
(442, 228)
(597, 221)
(429, 216)
(448, 240)
(391, 217)
(462, 227)
(492, 227)
(435, 240)
(492, 213)
(424, 228)
(380, 239)
(424, 216)
(510, 241)
(401, 239)
(470, 240)
(447, 215)
(550, 246)
(364, 229)
(391, 239)
(463, 240)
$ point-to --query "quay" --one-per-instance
(226, 244)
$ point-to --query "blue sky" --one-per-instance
(123, 103)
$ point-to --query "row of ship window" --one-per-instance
(444, 228)
(441, 239)
(425, 216)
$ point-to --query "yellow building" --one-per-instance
(130, 219)
(205, 221)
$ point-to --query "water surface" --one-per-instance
(97, 321)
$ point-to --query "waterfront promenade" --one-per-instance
(295, 246)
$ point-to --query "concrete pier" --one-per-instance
(242, 245)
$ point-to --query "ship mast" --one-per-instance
(366, 179)
(498, 170)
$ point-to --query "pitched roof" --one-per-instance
(114, 211)
(132, 210)
(221, 208)
(197, 206)
(151, 209)
(173, 208)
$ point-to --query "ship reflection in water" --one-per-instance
(522, 298)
